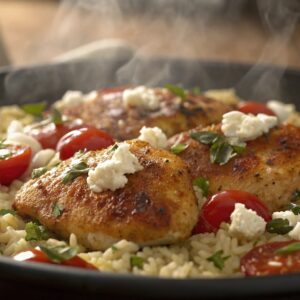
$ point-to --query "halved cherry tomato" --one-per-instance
(49, 134)
(255, 108)
(218, 208)
(36, 255)
(263, 260)
(14, 163)
(85, 138)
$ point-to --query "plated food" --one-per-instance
(162, 182)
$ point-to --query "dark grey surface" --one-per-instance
(49, 83)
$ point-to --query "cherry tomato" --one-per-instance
(14, 161)
(49, 134)
(218, 208)
(36, 255)
(85, 138)
(255, 108)
(263, 260)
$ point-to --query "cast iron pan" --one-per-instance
(49, 82)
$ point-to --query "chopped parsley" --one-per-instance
(56, 117)
(295, 208)
(279, 226)
(178, 148)
(57, 210)
(202, 184)
(36, 232)
(75, 171)
(113, 148)
(4, 212)
(137, 261)
(293, 247)
(36, 173)
(58, 254)
(35, 109)
(177, 90)
(218, 259)
(221, 151)
(295, 196)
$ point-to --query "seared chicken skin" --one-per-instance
(156, 206)
(108, 112)
(269, 167)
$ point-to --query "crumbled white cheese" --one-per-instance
(74, 98)
(246, 127)
(141, 96)
(14, 126)
(246, 223)
(24, 139)
(110, 174)
(295, 232)
(288, 215)
(154, 136)
(282, 110)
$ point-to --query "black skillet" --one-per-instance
(49, 82)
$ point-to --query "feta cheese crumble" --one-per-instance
(282, 110)
(246, 223)
(154, 136)
(246, 127)
(295, 232)
(110, 174)
(287, 215)
(141, 96)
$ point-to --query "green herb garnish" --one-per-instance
(58, 254)
(113, 148)
(6, 155)
(294, 247)
(4, 212)
(57, 210)
(295, 196)
(221, 151)
(75, 171)
(36, 173)
(196, 91)
(295, 208)
(56, 117)
(177, 90)
(279, 226)
(178, 148)
(218, 259)
(137, 261)
(202, 184)
(114, 248)
(35, 109)
(36, 232)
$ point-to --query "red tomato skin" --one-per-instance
(15, 166)
(218, 208)
(49, 135)
(85, 138)
(36, 255)
(255, 108)
(257, 261)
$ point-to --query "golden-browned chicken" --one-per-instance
(156, 206)
(123, 116)
(269, 167)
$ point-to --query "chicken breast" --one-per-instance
(156, 206)
(108, 112)
(269, 167)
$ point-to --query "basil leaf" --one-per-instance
(202, 184)
(75, 171)
(137, 261)
(178, 148)
(295, 208)
(279, 226)
(177, 90)
(4, 212)
(295, 196)
(293, 247)
(238, 149)
(205, 137)
(56, 117)
(57, 210)
(218, 259)
(35, 109)
(35, 232)
(221, 153)
(58, 254)
(36, 173)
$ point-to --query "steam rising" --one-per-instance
(176, 26)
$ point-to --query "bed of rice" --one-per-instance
(185, 260)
